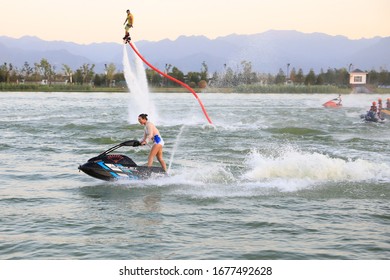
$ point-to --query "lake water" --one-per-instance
(276, 177)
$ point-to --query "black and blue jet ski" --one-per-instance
(113, 167)
(371, 116)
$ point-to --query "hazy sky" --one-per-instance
(88, 21)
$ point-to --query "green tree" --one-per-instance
(320, 78)
(177, 74)
(3, 73)
(120, 77)
(330, 77)
(36, 74)
(168, 67)
(246, 77)
(373, 77)
(342, 77)
(229, 78)
(194, 77)
(300, 77)
(110, 71)
(153, 78)
(78, 77)
(87, 72)
(280, 77)
(293, 74)
(383, 77)
(99, 80)
(204, 72)
(47, 70)
(26, 71)
(310, 78)
(68, 72)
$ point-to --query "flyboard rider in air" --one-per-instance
(128, 24)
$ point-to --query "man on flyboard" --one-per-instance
(128, 24)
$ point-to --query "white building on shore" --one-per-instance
(358, 81)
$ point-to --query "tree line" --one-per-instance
(45, 72)
(243, 74)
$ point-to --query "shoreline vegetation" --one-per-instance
(7, 87)
(43, 77)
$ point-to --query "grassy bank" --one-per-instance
(77, 88)
(238, 89)
(56, 88)
(291, 89)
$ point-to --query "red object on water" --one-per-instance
(331, 104)
(173, 79)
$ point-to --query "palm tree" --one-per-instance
(68, 72)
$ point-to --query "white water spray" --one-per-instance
(140, 100)
(175, 147)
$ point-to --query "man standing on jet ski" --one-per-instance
(338, 99)
(152, 133)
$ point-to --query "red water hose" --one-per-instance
(173, 79)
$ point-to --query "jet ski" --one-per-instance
(371, 116)
(113, 167)
(332, 104)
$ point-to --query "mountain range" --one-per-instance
(268, 52)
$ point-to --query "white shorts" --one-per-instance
(157, 139)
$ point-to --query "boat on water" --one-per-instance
(113, 167)
(385, 113)
(371, 116)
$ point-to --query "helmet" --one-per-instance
(374, 103)
(379, 99)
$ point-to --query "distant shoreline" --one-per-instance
(260, 89)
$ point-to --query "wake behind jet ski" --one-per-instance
(112, 167)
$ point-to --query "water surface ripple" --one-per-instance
(277, 177)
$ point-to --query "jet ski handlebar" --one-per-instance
(129, 143)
